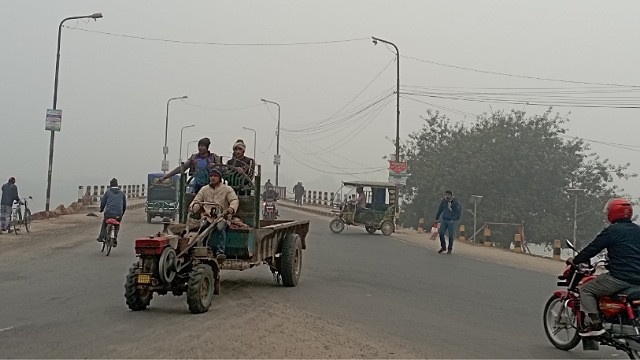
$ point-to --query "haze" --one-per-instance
(113, 90)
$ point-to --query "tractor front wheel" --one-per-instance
(136, 299)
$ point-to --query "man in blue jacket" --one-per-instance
(9, 195)
(114, 204)
(450, 210)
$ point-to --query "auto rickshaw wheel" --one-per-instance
(200, 289)
(136, 299)
(336, 226)
(370, 229)
(387, 228)
(291, 260)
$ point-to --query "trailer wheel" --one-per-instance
(291, 260)
(200, 289)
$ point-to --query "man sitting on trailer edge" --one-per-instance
(223, 195)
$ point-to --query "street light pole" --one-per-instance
(165, 149)
(254, 141)
(475, 199)
(277, 137)
(189, 143)
(180, 156)
(94, 16)
(576, 193)
(375, 42)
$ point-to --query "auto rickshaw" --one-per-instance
(380, 212)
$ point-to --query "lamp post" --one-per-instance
(94, 16)
(165, 149)
(475, 199)
(189, 143)
(576, 193)
(375, 42)
(180, 156)
(254, 141)
(276, 159)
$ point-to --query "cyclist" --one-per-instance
(114, 204)
(9, 195)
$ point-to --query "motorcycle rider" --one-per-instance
(199, 164)
(114, 204)
(622, 241)
(223, 195)
(270, 195)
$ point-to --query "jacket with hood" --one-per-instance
(114, 202)
(9, 194)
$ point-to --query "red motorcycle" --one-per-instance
(620, 314)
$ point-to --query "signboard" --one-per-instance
(398, 172)
(276, 159)
(54, 120)
(165, 165)
(165, 150)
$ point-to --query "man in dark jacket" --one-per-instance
(114, 204)
(9, 195)
(622, 241)
(450, 210)
(298, 191)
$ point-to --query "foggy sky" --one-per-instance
(113, 90)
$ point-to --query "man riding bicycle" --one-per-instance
(114, 204)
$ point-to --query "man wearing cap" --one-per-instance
(199, 164)
(218, 193)
(243, 164)
(9, 195)
(113, 204)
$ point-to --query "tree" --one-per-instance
(522, 167)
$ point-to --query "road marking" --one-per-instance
(5, 329)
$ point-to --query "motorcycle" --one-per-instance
(269, 210)
(620, 313)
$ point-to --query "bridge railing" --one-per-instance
(93, 193)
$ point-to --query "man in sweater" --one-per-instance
(9, 195)
(113, 204)
(450, 211)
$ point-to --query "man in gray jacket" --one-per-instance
(114, 204)
(9, 195)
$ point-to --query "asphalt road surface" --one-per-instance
(359, 296)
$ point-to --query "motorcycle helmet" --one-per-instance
(617, 209)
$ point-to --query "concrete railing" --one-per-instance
(93, 193)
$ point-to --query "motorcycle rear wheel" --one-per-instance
(553, 328)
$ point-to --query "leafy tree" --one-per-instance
(521, 165)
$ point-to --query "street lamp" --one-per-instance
(254, 141)
(165, 149)
(475, 199)
(94, 16)
(189, 143)
(576, 193)
(375, 42)
(276, 159)
(180, 156)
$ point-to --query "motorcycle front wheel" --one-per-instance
(560, 324)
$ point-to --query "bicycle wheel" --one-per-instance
(108, 240)
(27, 220)
(17, 220)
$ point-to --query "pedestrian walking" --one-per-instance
(450, 211)
(9, 195)
(298, 191)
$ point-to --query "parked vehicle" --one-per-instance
(380, 212)
(19, 218)
(162, 197)
(181, 262)
(620, 314)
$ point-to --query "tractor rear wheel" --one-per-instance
(200, 288)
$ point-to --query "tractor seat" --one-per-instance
(113, 221)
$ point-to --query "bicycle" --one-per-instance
(18, 218)
(113, 225)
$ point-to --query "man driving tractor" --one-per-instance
(216, 193)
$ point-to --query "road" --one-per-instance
(359, 296)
